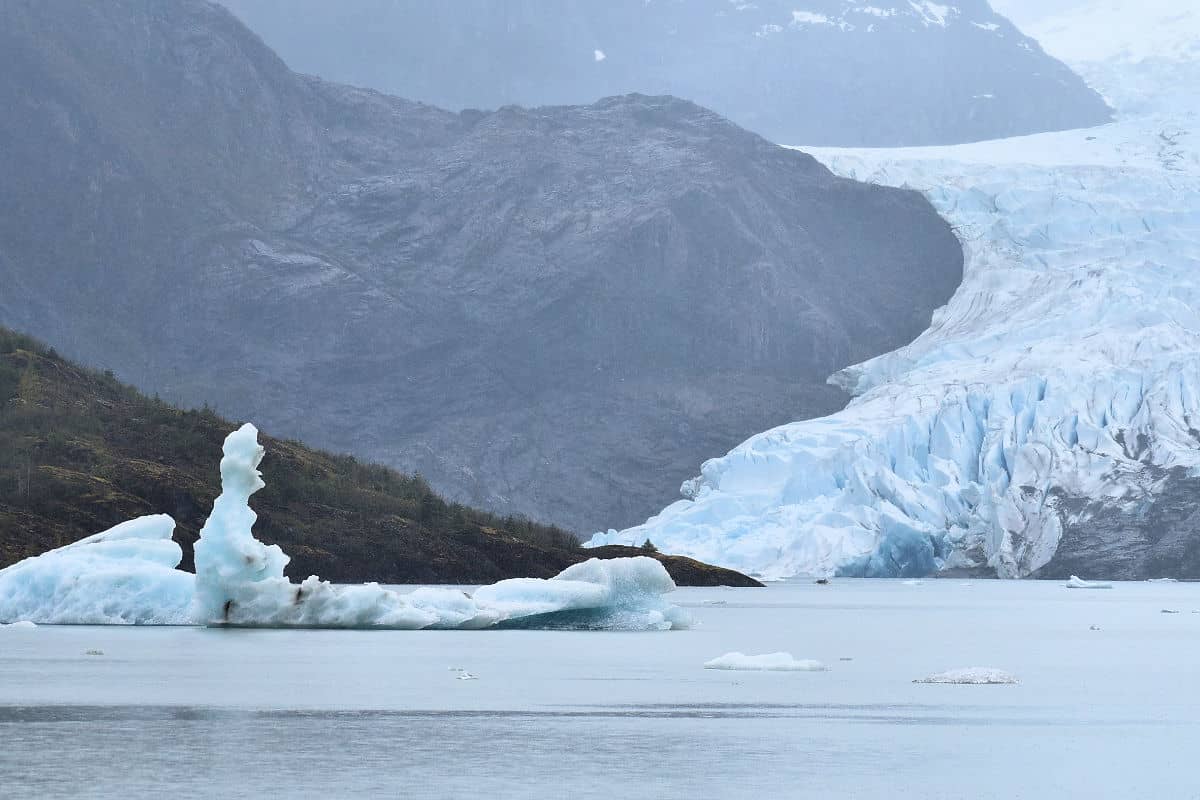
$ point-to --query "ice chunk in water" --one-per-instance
(768, 662)
(971, 675)
(1080, 583)
(123, 576)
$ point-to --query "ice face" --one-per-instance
(1066, 366)
(123, 576)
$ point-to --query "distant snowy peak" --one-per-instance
(1113, 30)
(1142, 56)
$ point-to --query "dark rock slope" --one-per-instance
(1155, 536)
(555, 312)
(869, 72)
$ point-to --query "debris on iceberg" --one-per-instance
(768, 662)
(124, 576)
(1080, 583)
(128, 575)
(977, 676)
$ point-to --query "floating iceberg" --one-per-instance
(23, 625)
(128, 575)
(1080, 583)
(768, 662)
(124, 576)
(971, 676)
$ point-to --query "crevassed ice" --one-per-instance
(1066, 365)
(128, 575)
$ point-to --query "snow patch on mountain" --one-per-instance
(1066, 366)
(849, 16)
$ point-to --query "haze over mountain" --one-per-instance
(553, 312)
(829, 72)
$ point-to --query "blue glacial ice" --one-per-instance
(128, 575)
(124, 576)
(1067, 365)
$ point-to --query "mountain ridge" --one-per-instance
(819, 72)
(551, 312)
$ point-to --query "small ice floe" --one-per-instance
(822, 581)
(716, 602)
(975, 676)
(1169, 611)
(467, 676)
(23, 625)
(93, 652)
(769, 662)
(1094, 628)
(914, 583)
(1080, 583)
(845, 658)
(1162, 580)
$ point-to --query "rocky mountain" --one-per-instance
(551, 312)
(79, 453)
(816, 72)
(1048, 421)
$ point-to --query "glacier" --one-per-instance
(1059, 385)
(128, 575)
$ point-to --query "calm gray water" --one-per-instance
(190, 713)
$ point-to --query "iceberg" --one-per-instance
(124, 576)
(1059, 387)
(1080, 583)
(978, 676)
(768, 662)
(128, 575)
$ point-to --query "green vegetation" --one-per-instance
(80, 452)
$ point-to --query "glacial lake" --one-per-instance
(194, 713)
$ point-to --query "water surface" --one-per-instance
(190, 713)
